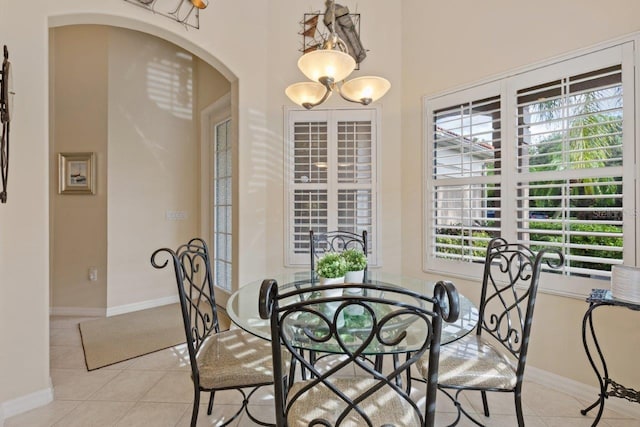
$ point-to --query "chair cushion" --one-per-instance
(383, 407)
(234, 358)
(473, 362)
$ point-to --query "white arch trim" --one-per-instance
(145, 27)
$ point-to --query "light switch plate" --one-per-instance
(175, 215)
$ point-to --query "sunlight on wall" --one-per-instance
(170, 84)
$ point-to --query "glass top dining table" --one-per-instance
(242, 308)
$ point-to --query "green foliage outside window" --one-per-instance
(592, 237)
(462, 242)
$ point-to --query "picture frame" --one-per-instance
(76, 173)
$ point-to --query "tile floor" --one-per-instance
(155, 390)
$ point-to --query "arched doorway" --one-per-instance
(141, 129)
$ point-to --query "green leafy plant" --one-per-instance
(331, 265)
(356, 260)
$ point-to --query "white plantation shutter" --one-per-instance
(355, 176)
(332, 177)
(570, 163)
(545, 157)
(464, 162)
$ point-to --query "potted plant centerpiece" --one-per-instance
(331, 268)
(356, 263)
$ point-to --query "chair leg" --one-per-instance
(196, 406)
(485, 403)
(210, 408)
(519, 414)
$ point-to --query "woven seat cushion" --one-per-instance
(383, 407)
(234, 358)
(473, 362)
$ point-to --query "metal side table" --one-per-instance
(608, 387)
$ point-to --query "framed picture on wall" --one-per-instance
(76, 173)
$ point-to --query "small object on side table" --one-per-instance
(599, 298)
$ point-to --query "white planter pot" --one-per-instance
(354, 276)
(354, 310)
(329, 293)
(331, 281)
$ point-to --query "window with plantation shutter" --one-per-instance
(331, 158)
(570, 168)
(545, 157)
(465, 170)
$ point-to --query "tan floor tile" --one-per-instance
(174, 358)
(66, 357)
(510, 421)
(77, 384)
(220, 414)
(499, 403)
(620, 423)
(42, 417)
(65, 336)
(569, 421)
(56, 322)
(174, 386)
(95, 414)
(544, 401)
(145, 414)
(263, 396)
(128, 386)
(120, 365)
(607, 413)
(263, 414)
(447, 418)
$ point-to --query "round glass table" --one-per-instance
(242, 308)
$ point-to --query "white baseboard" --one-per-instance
(26, 403)
(127, 308)
(78, 311)
(581, 391)
(111, 311)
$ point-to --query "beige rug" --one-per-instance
(123, 337)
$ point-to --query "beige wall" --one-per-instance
(79, 71)
(24, 223)
(449, 44)
(153, 163)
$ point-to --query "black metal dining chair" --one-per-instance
(335, 241)
(494, 358)
(220, 360)
(371, 398)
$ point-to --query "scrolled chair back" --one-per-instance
(195, 290)
(509, 290)
(375, 320)
(336, 241)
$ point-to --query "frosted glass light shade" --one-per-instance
(366, 87)
(326, 63)
(305, 92)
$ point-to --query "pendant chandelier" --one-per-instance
(327, 68)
